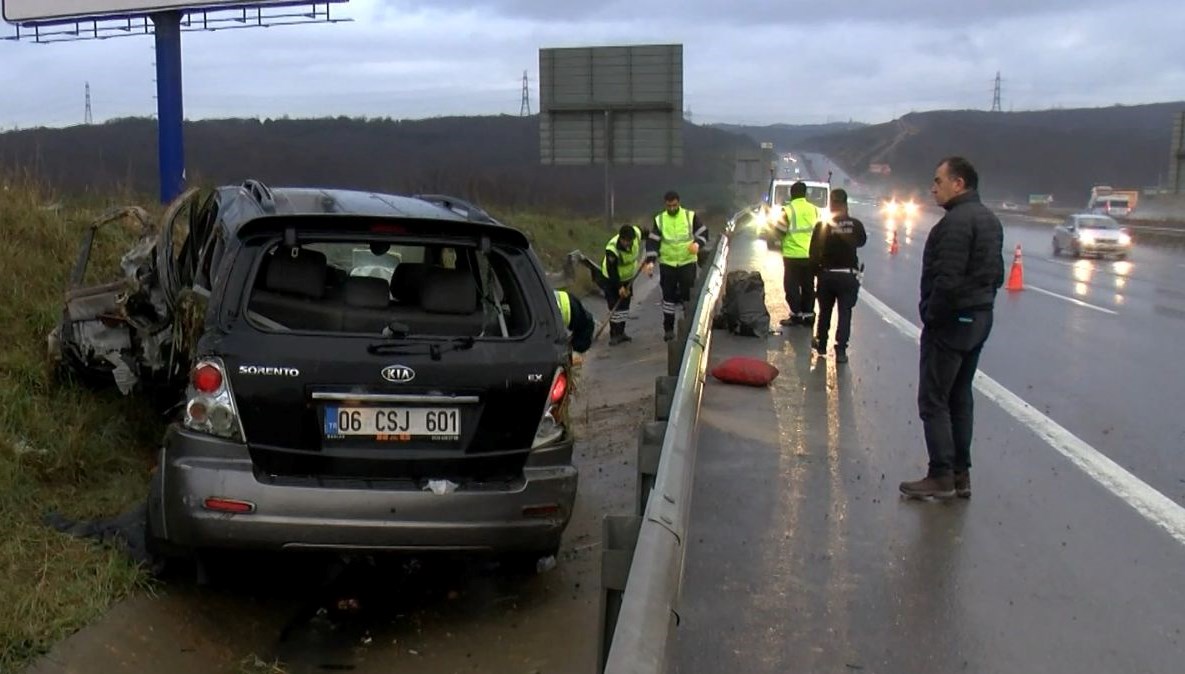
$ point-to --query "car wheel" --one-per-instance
(1056, 251)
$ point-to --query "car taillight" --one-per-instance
(559, 388)
(551, 423)
(211, 405)
(207, 378)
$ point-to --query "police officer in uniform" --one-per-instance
(833, 258)
(795, 226)
(675, 241)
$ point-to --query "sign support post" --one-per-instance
(169, 104)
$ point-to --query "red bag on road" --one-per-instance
(744, 370)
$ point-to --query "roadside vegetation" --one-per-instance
(85, 452)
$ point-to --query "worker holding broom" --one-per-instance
(619, 267)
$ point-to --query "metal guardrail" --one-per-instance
(643, 585)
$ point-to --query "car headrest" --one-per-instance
(301, 275)
(407, 280)
(366, 292)
(448, 291)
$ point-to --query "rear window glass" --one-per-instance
(403, 287)
(814, 194)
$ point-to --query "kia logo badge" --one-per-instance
(398, 374)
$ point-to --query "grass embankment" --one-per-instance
(87, 453)
(62, 447)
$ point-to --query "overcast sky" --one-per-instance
(745, 61)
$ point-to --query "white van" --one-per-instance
(1111, 204)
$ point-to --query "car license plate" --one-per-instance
(394, 422)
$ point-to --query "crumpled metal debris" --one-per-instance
(124, 331)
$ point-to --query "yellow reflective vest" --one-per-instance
(801, 216)
(565, 303)
(627, 260)
(677, 235)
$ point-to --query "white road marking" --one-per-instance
(1154, 506)
(1073, 300)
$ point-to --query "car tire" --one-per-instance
(1057, 252)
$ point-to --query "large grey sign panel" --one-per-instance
(639, 89)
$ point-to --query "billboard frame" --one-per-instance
(626, 87)
(167, 27)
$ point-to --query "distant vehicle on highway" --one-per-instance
(1009, 206)
(1091, 234)
(1112, 204)
(899, 208)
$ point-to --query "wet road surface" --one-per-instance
(803, 556)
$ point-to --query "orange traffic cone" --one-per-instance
(893, 248)
(1016, 278)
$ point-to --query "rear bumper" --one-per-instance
(354, 515)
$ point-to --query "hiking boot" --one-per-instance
(668, 335)
(615, 339)
(819, 345)
(789, 320)
(624, 337)
(963, 484)
(841, 355)
(930, 487)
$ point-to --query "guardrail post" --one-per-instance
(619, 537)
(650, 436)
(664, 396)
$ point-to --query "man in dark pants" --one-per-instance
(675, 241)
(834, 260)
(962, 269)
(795, 226)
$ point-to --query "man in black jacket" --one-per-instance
(837, 268)
(962, 268)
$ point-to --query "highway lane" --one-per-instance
(803, 556)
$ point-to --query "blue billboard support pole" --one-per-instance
(170, 112)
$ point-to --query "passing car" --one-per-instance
(1085, 234)
(356, 372)
(900, 208)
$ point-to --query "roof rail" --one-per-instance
(459, 206)
(261, 193)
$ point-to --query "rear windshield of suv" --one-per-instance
(368, 286)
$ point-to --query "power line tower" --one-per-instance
(88, 118)
(525, 109)
(996, 95)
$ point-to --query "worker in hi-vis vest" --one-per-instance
(577, 321)
(796, 225)
(675, 241)
(621, 264)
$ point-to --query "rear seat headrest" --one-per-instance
(448, 291)
(366, 292)
(407, 280)
(302, 275)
